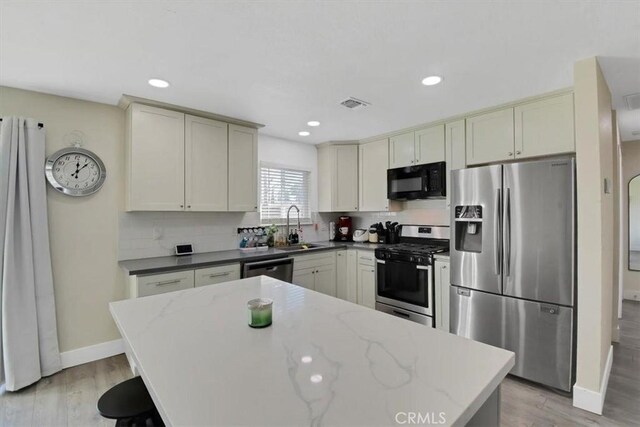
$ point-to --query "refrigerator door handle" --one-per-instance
(507, 232)
(496, 233)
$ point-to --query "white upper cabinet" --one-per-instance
(338, 178)
(346, 194)
(454, 151)
(180, 162)
(545, 127)
(402, 150)
(430, 146)
(243, 169)
(205, 164)
(417, 148)
(155, 159)
(490, 137)
(374, 162)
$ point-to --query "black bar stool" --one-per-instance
(130, 405)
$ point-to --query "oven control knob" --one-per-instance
(420, 260)
(412, 259)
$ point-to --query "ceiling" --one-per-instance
(285, 63)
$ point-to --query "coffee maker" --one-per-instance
(344, 229)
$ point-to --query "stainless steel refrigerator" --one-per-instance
(513, 264)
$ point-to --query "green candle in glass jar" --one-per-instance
(260, 310)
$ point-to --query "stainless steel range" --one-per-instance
(404, 277)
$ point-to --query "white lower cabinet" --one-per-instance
(316, 272)
(341, 274)
(305, 277)
(217, 274)
(366, 279)
(142, 286)
(442, 283)
(153, 284)
(352, 276)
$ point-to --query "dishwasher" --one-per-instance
(281, 269)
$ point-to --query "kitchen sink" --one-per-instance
(300, 247)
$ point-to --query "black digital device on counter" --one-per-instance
(184, 249)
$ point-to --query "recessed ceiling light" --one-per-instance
(159, 83)
(304, 133)
(431, 80)
(313, 123)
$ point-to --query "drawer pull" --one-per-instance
(167, 282)
(226, 273)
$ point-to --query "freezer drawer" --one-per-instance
(477, 315)
(539, 334)
(541, 337)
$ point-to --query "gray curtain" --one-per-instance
(27, 311)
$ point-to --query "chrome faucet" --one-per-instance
(288, 213)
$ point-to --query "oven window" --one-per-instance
(406, 185)
(402, 281)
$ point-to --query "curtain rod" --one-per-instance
(40, 125)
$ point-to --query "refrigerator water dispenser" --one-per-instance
(468, 233)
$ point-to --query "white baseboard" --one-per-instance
(590, 400)
(88, 354)
(631, 294)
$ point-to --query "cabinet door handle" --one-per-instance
(226, 273)
(182, 206)
(510, 153)
(167, 282)
(444, 267)
(518, 152)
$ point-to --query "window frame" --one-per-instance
(294, 216)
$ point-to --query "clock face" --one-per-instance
(75, 171)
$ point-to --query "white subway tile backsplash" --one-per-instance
(206, 231)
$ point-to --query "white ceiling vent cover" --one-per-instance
(353, 103)
(633, 101)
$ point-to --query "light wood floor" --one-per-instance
(69, 397)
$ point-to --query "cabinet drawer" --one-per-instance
(314, 260)
(217, 274)
(366, 258)
(161, 283)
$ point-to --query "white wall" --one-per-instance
(83, 231)
(594, 158)
(153, 234)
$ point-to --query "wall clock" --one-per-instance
(75, 171)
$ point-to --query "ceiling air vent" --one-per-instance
(633, 101)
(353, 103)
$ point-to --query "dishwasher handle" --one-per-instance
(269, 264)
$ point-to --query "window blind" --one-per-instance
(279, 189)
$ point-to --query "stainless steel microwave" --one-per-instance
(417, 182)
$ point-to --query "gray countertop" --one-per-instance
(165, 264)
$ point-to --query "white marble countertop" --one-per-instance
(324, 361)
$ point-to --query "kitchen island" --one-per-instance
(323, 361)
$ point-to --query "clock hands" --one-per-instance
(79, 169)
